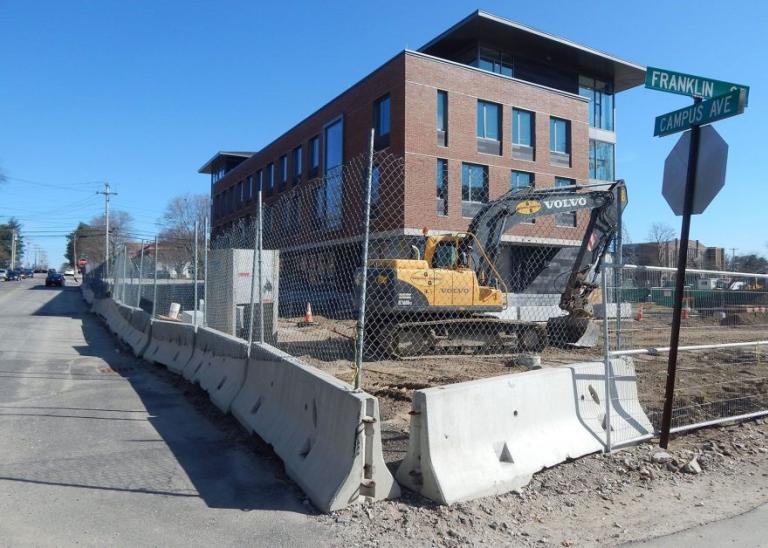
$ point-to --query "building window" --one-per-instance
(565, 219)
(283, 171)
(495, 60)
(332, 165)
(259, 181)
(381, 122)
(270, 178)
(600, 95)
(560, 142)
(523, 141)
(474, 188)
(442, 118)
(297, 169)
(249, 188)
(441, 186)
(314, 156)
(488, 127)
(601, 160)
(522, 179)
(239, 195)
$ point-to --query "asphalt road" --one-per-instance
(100, 449)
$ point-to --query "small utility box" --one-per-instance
(229, 292)
(706, 283)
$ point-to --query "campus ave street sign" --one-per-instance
(701, 113)
(688, 84)
(710, 170)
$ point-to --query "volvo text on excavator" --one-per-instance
(443, 300)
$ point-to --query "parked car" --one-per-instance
(29, 273)
(13, 276)
(3, 274)
(54, 278)
(69, 271)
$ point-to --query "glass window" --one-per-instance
(270, 178)
(259, 180)
(249, 188)
(441, 186)
(381, 113)
(297, 162)
(442, 110)
(240, 197)
(559, 135)
(521, 179)
(495, 60)
(283, 170)
(522, 127)
(474, 183)
(446, 255)
(314, 155)
(334, 155)
(601, 160)
(600, 95)
(565, 219)
(488, 120)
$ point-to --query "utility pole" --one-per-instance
(733, 258)
(13, 249)
(107, 193)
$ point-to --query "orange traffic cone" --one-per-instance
(308, 318)
(639, 315)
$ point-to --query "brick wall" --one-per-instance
(424, 76)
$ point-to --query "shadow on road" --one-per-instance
(226, 467)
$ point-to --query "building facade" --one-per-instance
(487, 106)
(665, 254)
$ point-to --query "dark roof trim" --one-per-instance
(222, 154)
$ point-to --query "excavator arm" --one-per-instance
(521, 205)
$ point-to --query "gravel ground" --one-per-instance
(633, 494)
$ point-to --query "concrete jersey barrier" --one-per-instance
(327, 434)
(219, 365)
(171, 344)
(489, 436)
(139, 331)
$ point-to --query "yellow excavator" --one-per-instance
(442, 299)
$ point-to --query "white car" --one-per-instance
(69, 272)
(3, 274)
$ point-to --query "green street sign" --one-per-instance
(688, 84)
(699, 114)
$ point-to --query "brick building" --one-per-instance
(665, 254)
(486, 106)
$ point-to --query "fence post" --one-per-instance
(364, 283)
(205, 274)
(618, 271)
(154, 285)
(141, 276)
(122, 280)
(261, 281)
(195, 290)
(607, 362)
(253, 285)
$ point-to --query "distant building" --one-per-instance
(665, 254)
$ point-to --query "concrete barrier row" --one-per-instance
(489, 436)
(327, 434)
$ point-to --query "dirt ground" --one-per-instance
(710, 384)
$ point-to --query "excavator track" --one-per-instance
(470, 335)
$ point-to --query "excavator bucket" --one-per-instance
(571, 331)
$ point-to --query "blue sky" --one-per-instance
(143, 93)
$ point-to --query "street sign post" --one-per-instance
(710, 171)
(699, 114)
(724, 99)
(690, 85)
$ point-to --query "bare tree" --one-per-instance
(177, 237)
(91, 240)
(661, 234)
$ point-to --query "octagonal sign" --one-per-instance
(710, 170)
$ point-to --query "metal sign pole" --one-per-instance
(364, 283)
(682, 261)
(154, 290)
